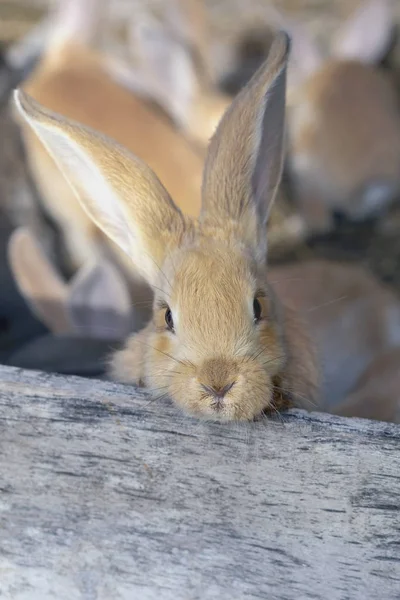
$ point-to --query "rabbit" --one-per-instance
(175, 55)
(94, 304)
(343, 121)
(352, 318)
(229, 339)
(77, 81)
(377, 392)
(220, 342)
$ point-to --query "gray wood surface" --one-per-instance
(106, 495)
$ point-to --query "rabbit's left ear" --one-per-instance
(120, 193)
(365, 36)
(99, 304)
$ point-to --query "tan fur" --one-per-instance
(345, 132)
(204, 339)
(207, 273)
(351, 317)
(33, 273)
(344, 121)
(377, 393)
(78, 87)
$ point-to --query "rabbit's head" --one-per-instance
(218, 343)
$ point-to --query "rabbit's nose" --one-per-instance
(218, 392)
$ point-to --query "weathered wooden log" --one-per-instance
(107, 495)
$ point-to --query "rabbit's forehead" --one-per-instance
(206, 276)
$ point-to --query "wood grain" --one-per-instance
(106, 495)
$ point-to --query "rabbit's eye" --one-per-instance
(169, 320)
(256, 310)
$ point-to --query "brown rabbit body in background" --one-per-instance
(352, 317)
(343, 120)
(377, 393)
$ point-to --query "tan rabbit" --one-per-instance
(226, 341)
(220, 343)
(175, 53)
(95, 303)
(343, 120)
(352, 318)
(377, 392)
(76, 82)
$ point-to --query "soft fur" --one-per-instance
(73, 79)
(343, 120)
(218, 362)
(377, 393)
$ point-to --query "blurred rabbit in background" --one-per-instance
(343, 120)
(173, 46)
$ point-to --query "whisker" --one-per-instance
(162, 352)
(161, 271)
(276, 411)
(142, 303)
(160, 290)
(304, 398)
(326, 304)
(154, 399)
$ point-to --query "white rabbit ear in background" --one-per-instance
(120, 193)
(99, 304)
(366, 34)
(168, 67)
(38, 282)
(76, 21)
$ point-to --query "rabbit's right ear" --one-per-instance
(119, 192)
(99, 303)
(244, 161)
(365, 36)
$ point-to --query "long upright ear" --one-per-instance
(365, 36)
(99, 304)
(119, 192)
(244, 162)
